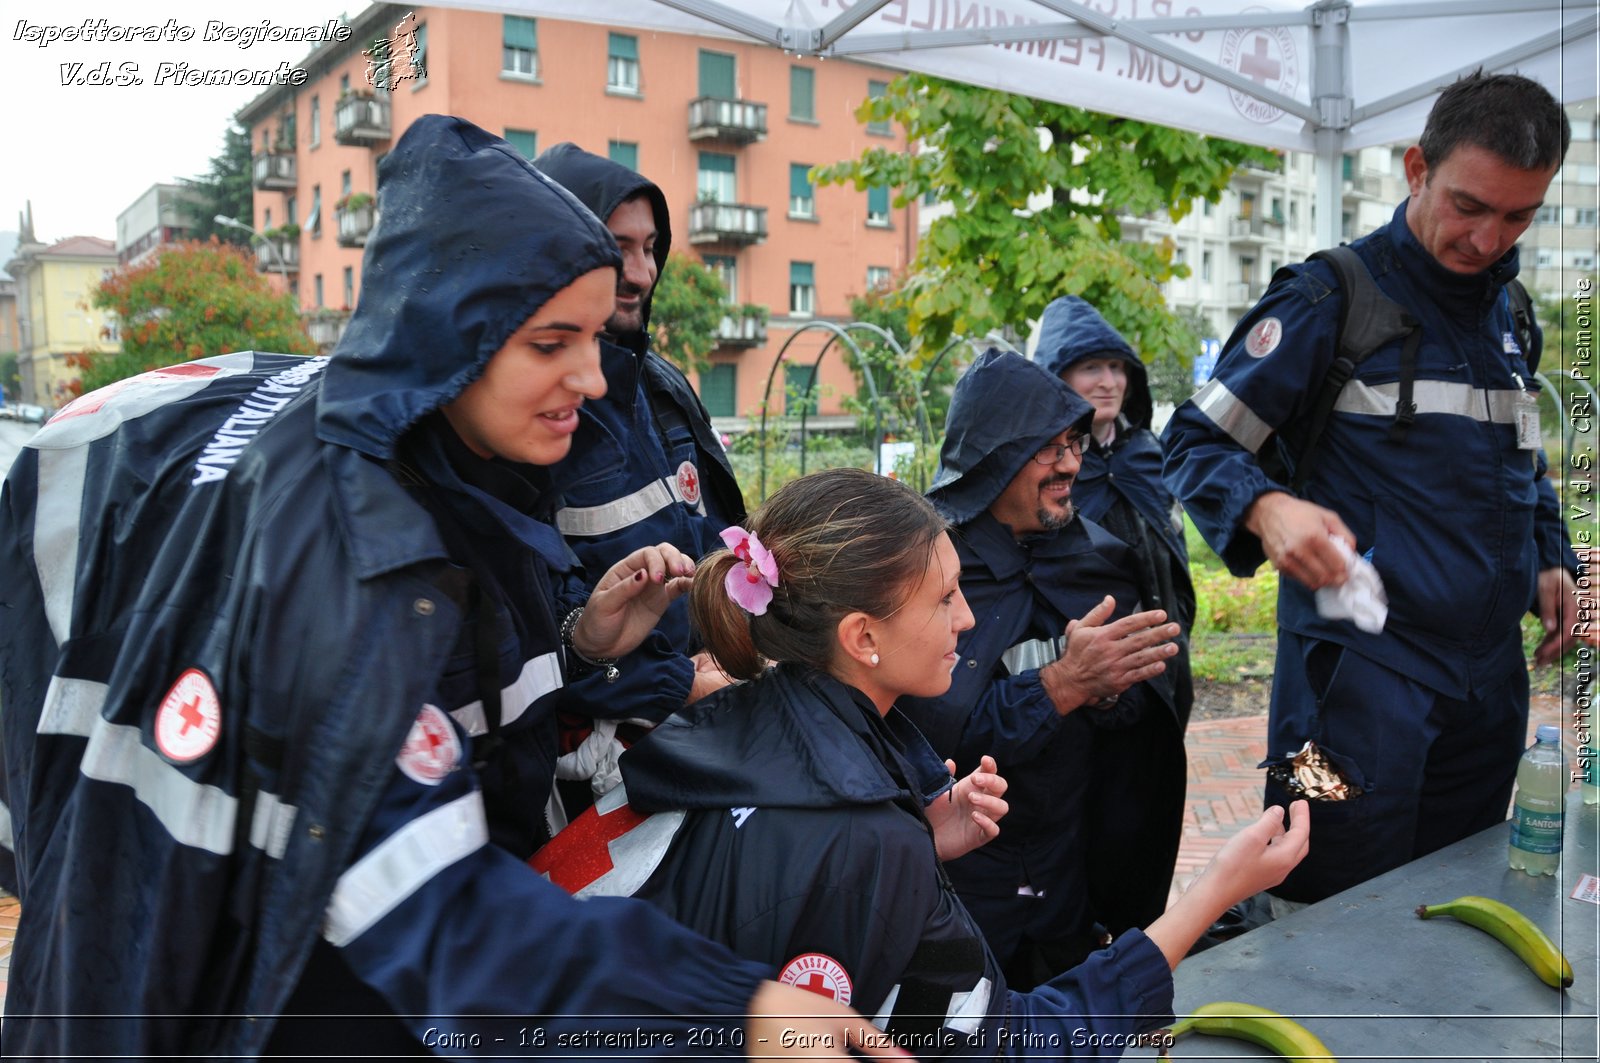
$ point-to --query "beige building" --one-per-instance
(727, 129)
(157, 217)
(54, 319)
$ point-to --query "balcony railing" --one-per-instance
(1245, 293)
(742, 329)
(273, 171)
(325, 327)
(727, 223)
(733, 121)
(1364, 184)
(1255, 226)
(355, 224)
(278, 254)
(361, 120)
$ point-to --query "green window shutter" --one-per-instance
(800, 180)
(717, 76)
(622, 46)
(719, 389)
(874, 90)
(526, 141)
(802, 92)
(878, 202)
(623, 153)
(796, 378)
(521, 33)
(716, 162)
(801, 273)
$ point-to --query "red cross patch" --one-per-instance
(188, 718)
(432, 749)
(819, 974)
(689, 483)
(1264, 338)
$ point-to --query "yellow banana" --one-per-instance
(1513, 930)
(1246, 1022)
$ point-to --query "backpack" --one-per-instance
(1368, 320)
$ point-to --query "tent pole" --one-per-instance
(1330, 93)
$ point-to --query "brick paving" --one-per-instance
(1224, 794)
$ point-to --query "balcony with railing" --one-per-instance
(730, 121)
(1245, 294)
(359, 121)
(325, 326)
(1363, 184)
(1255, 228)
(273, 171)
(727, 223)
(355, 221)
(278, 254)
(742, 326)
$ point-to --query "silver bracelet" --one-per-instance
(608, 664)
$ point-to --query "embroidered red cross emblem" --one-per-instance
(191, 715)
(581, 852)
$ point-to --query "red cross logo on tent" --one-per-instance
(188, 719)
(689, 483)
(819, 974)
(432, 749)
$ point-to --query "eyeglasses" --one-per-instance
(1056, 451)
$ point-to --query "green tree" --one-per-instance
(224, 190)
(10, 379)
(189, 300)
(688, 303)
(996, 260)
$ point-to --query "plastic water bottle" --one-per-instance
(1540, 801)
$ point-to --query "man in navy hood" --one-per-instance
(1057, 654)
(646, 465)
(1119, 487)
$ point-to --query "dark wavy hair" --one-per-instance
(845, 540)
(1509, 115)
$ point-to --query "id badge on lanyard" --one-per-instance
(1526, 406)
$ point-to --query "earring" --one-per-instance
(873, 660)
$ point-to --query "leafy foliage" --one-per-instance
(999, 257)
(688, 304)
(224, 189)
(189, 300)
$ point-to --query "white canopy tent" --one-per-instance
(1329, 78)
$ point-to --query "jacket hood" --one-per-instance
(603, 186)
(472, 242)
(1003, 410)
(1072, 330)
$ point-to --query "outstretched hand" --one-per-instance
(1102, 660)
(968, 814)
(628, 601)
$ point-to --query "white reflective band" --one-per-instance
(7, 839)
(1449, 397)
(405, 862)
(1035, 653)
(55, 533)
(195, 814)
(1231, 415)
(886, 1013)
(538, 677)
(967, 1009)
(624, 512)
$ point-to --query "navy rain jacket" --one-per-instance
(245, 691)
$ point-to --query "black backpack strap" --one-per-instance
(1522, 314)
(1368, 320)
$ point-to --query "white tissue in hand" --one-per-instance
(1360, 598)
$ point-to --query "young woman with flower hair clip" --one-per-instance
(800, 819)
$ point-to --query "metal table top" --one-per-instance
(1375, 982)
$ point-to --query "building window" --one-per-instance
(800, 390)
(349, 287)
(1543, 258)
(878, 277)
(317, 284)
(344, 84)
(313, 223)
(344, 183)
(1205, 265)
(419, 62)
(803, 93)
(718, 76)
(1207, 208)
(874, 90)
(1586, 217)
(878, 206)
(1294, 214)
(316, 120)
(1549, 214)
(623, 153)
(526, 141)
(519, 47)
(802, 289)
(716, 180)
(719, 389)
(802, 197)
(622, 63)
(726, 269)
(1583, 260)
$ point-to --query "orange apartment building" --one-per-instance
(727, 129)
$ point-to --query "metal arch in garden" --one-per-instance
(836, 332)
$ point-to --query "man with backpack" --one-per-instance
(1405, 432)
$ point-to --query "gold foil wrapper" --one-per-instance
(1311, 775)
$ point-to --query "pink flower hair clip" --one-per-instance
(750, 582)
